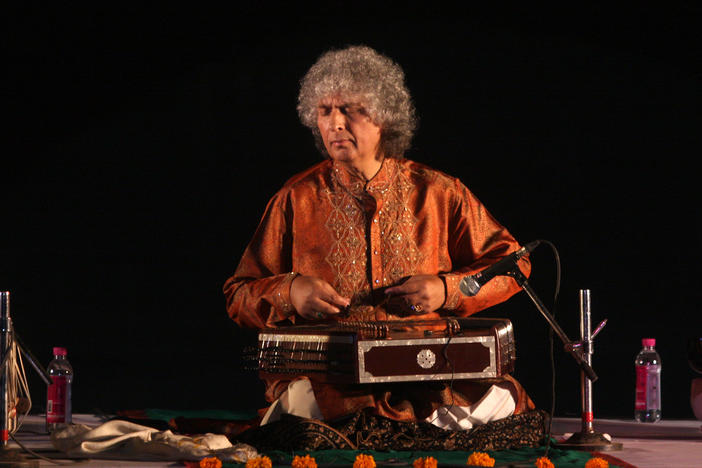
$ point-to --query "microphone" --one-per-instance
(470, 285)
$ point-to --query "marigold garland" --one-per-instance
(304, 462)
(543, 462)
(597, 462)
(364, 461)
(480, 459)
(259, 462)
(210, 462)
(428, 462)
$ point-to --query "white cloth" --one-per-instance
(496, 404)
(298, 400)
(128, 441)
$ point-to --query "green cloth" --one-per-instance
(229, 415)
(345, 458)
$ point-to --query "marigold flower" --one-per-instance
(259, 462)
(428, 462)
(210, 462)
(543, 462)
(304, 462)
(364, 461)
(597, 462)
(480, 459)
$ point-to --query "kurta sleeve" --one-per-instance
(258, 294)
(476, 241)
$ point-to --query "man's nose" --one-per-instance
(338, 120)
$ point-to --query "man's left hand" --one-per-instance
(421, 293)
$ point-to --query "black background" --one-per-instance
(142, 147)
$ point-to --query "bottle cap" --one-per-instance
(648, 342)
(60, 351)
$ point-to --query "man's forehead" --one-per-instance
(341, 101)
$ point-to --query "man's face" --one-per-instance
(349, 134)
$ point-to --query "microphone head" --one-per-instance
(469, 286)
(532, 245)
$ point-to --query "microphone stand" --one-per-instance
(581, 351)
(11, 456)
(570, 347)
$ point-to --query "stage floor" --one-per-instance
(663, 444)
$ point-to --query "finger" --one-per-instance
(415, 304)
(337, 301)
(402, 289)
(320, 305)
(315, 315)
(330, 296)
(315, 311)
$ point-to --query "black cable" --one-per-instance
(557, 290)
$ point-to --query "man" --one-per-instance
(367, 235)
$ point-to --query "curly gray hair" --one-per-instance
(359, 71)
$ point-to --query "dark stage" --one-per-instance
(143, 147)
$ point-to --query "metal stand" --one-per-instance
(5, 349)
(587, 438)
(11, 456)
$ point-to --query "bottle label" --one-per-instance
(648, 392)
(56, 400)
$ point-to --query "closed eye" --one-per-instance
(353, 110)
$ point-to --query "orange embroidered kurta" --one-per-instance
(363, 237)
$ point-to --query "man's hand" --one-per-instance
(421, 293)
(314, 298)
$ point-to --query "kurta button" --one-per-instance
(377, 281)
(375, 252)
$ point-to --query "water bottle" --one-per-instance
(58, 394)
(648, 383)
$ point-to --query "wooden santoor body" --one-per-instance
(396, 351)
